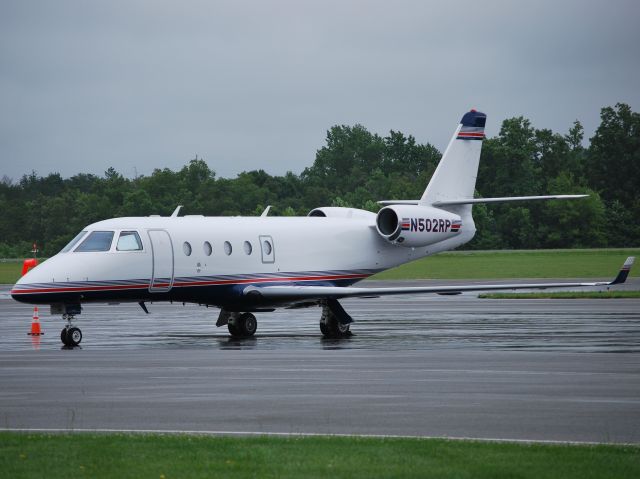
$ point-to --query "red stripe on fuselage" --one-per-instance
(80, 289)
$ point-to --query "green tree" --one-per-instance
(613, 162)
(356, 168)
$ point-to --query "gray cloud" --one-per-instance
(246, 85)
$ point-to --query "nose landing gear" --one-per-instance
(70, 335)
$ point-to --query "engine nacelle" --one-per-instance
(414, 225)
(341, 212)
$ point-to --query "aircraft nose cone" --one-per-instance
(20, 290)
(17, 292)
(17, 296)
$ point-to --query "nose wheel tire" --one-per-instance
(243, 326)
(71, 336)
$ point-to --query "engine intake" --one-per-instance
(388, 224)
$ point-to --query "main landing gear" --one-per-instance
(70, 335)
(335, 321)
(241, 325)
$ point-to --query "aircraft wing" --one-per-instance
(305, 293)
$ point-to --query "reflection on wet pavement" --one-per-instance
(389, 323)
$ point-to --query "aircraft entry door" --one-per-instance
(162, 267)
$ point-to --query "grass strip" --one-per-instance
(10, 272)
(565, 295)
(168, 456)
(592, 263)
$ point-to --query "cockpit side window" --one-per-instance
(129, 241)
(73, 242)
(96, 241)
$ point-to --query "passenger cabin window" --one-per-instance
(248, 248)
(186, 247)
(96, 241)
(129, 241)
(73, 242)
(206, 246)
(267, 248)
(227, 248)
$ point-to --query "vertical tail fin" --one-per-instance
(455, 176)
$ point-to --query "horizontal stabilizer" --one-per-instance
(473, 201)
(505, 199)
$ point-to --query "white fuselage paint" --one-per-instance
(300, 244)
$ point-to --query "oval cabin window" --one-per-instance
(207, 248)
(227, 248)
(186, 247)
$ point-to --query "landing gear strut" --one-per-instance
(70, 335)
(242, 325)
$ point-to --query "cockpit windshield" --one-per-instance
(96, 241)
(73, 242)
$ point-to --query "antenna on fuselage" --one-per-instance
(265, 212)
(176, 211)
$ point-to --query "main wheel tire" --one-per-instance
(343, 329)
(247, 324)
(63, 336)
(331, 328)
(233, 329)
(324, 329)
(74, 336)
(243, 326)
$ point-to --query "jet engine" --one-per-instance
(415, 225)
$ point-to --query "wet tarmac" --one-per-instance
(391, 323)
(446, 366)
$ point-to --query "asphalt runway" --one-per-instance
(457, 366)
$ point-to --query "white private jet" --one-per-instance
(244, 265)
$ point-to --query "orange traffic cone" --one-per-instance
(35, 323)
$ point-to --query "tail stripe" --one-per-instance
(471, 133)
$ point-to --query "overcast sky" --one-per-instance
(140, 85)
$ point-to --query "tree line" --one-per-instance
(356, 168)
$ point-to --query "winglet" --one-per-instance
(624, 271)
